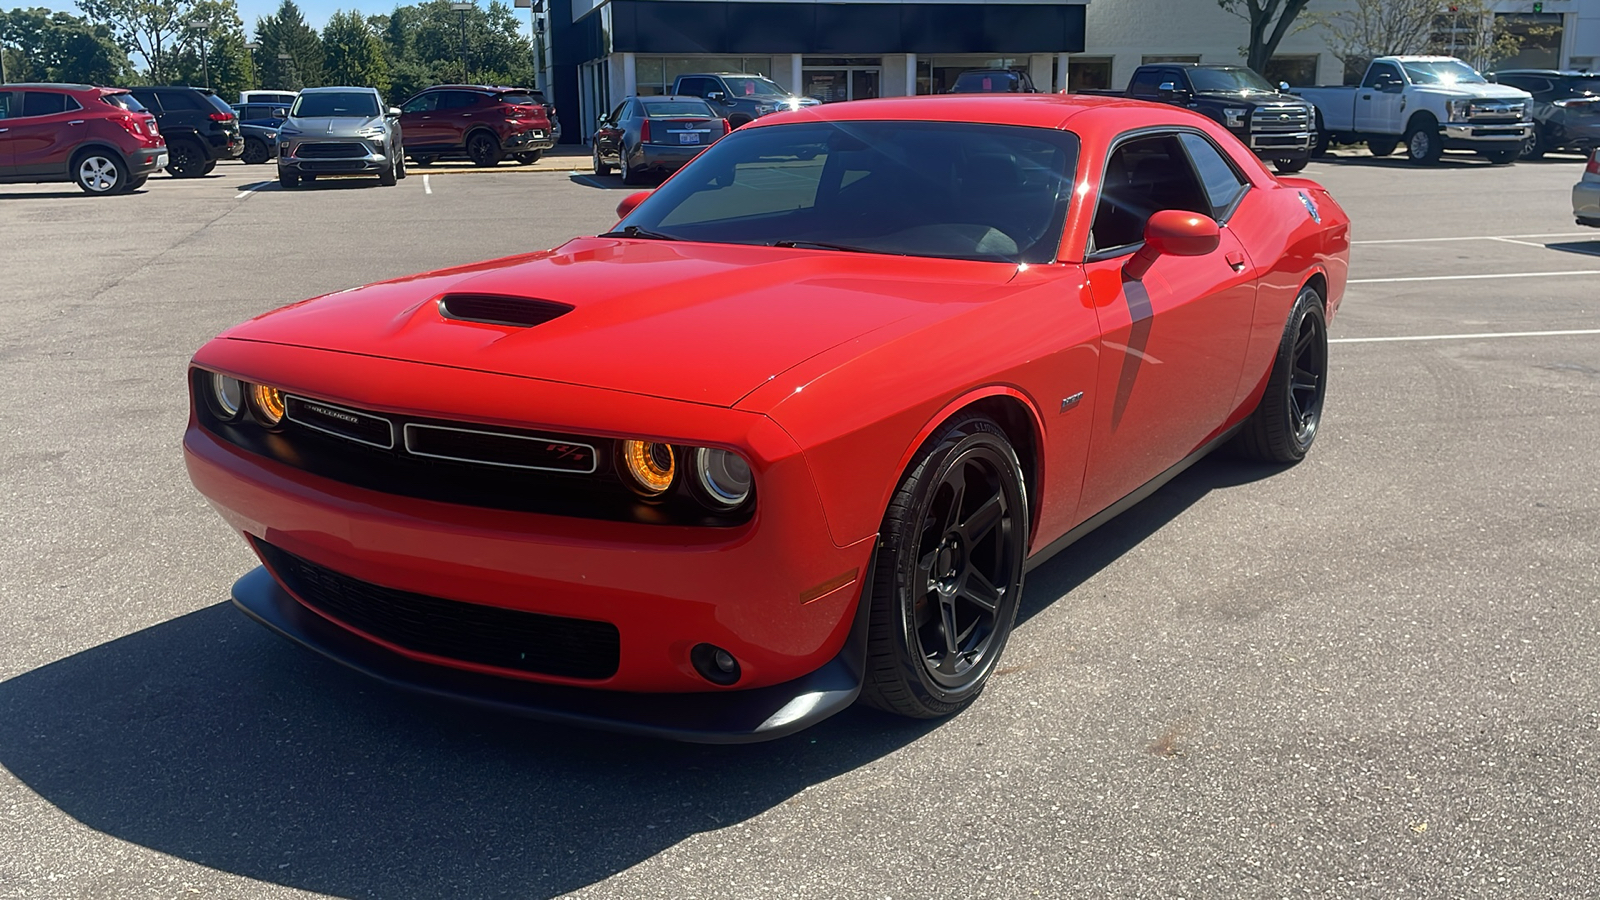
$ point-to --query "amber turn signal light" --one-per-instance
(652, 466)
(267, 403)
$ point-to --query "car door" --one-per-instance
(456, 114)
(417, 120)
(1380, 101)
(608, 136)
(10, 107)
(1173, 342)
(42, 139)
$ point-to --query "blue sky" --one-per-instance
(316, 11)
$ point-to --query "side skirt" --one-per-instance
(1117, 508)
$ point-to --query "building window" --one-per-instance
(834, 78)
(1298, 71)
(938, 74)
(1178, 58)
(654, 75)
(1088, 73)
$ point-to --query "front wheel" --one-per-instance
(484, 150)
(948, 577)
(1288, 165)
(256, 151)
(1423, 145)
(1533, 146)
(100, 174)
(1285, 421)
(390, 176)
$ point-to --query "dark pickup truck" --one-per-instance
(1275, 125)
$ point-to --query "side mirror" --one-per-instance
(1391, 87)
(717, 97)
(1172, 232)
(280, 113)
(632, 201)
(394, 112)
(1283, 85)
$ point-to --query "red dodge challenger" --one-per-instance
(791, 434)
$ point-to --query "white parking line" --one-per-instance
(1485, 237)
(1472, 277)
(249, 189)
(427, 187)
(1463, 337)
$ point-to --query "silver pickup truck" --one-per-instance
(1426, 103)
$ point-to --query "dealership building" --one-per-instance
(601, 51)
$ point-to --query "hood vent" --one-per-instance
(498, 309)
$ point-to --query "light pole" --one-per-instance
(461, 7)
(203, 26)
(286, 60)
(255, 68)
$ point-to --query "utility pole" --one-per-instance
(204, 26)
(461, 7)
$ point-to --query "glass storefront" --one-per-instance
(835, 78)
(937, 74)
(655, 74)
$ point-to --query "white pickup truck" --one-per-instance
(1428, 103)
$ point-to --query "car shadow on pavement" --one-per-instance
(209, 739)
(1399, 161)
(1583, 248)
(611, 182)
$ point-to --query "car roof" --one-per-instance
(1035, 110)
(171, 87)
(1548, 73)
(733, 74)
(653, 97)
(58, 85)
(329, 89)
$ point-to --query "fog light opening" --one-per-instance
(715, 664)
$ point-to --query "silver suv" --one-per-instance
(340, 131)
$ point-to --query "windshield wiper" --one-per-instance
(634, 231)
(821, 245)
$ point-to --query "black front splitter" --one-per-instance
(718, 717)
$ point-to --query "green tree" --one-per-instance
(1270, 21)
(285, 33)
(352, 53)
(1468, 29)
(424, 45)
(149, 28)
(41, 45)
(217, 23)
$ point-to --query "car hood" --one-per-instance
(341, 126)
(1489, 91)
(705, 323)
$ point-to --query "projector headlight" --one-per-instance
(723, 476)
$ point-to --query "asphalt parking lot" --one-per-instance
(1368, 675)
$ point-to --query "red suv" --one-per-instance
(487, 124)
(100, 138)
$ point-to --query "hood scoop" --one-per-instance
(499, 309)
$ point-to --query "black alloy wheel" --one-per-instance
(483, 150)
(948, 579)
(185, 159)
(256, 151)
(1285, 422)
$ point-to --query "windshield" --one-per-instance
(1442, 71)
(1581, 87)
(667, 108)
(343, 104)
(753, 87)
(939, 189)
(1234, 79)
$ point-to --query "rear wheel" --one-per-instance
(256, 151)
(287, 179)
(206, 169)
(185, 159)
(600, 168)
(98, 172)
(135, 183)
(1285, 421)
(948, 577)
(1382, 146)
(529, 158)
(630, 175)
(483, 149)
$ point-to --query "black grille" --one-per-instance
(330, 150)
(497, 449)
(494, 309)
(486, 635)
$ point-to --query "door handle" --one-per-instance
(4, 130)
(1235, 260)
(76, 122)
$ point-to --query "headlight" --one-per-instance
(370, 133)
(288, 132)
(652, 466)
(226, 396)
(1460, 110)
(1236, 117)
(723, 475)
(267, 403)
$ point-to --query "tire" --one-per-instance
(288, 180)
(955, 534)
(400, 163)
(1289, 165)
(630, 175)
(1319, 143)
(391, 176)
(1534, 147)
(256, 152)
(208, 167)
(100, 173)
(1285, 422)
(1423, 146)
(1382, 146)
(424, 160)
(135, 183)
(185, 159)
(483, 150)
(600, 168)
(529, 158)
(1503, 157)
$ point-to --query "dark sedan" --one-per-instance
(1566, 108)
(654, 134)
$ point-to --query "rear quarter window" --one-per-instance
(123, 101)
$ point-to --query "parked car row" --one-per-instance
(102, 139)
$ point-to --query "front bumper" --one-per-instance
(728, 717)
(1586, 203)
(1270, 144)
(367, 157)
(1478, 135)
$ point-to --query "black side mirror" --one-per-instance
(717, 97)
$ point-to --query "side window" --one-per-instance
(458, 99)
(619, 112)
(422, 103)
(72, 103)
(1382, 74)
(10, 104)
(1143, 176)
(41, 103)
(700, 87)
(148, 101)
(1146, 83)
(1222, 184)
